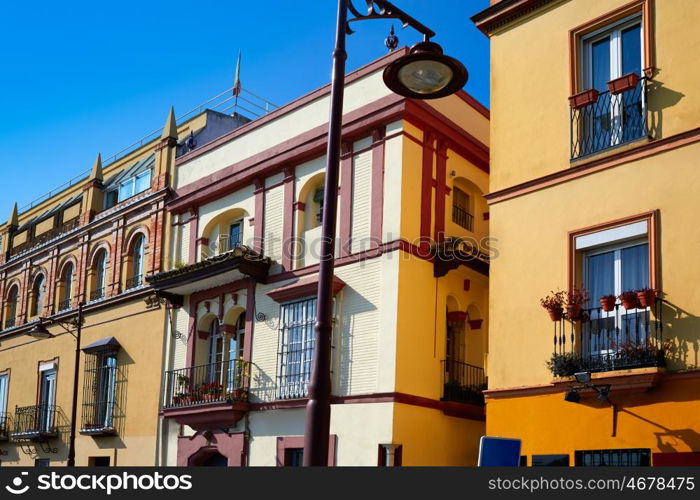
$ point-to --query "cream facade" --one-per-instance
(409, 346)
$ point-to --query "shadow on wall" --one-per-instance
(660, 98)
(681, 337)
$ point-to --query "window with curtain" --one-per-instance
(296, 348)
(608, 54)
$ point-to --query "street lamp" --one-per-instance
(39, 331)
(425, 73)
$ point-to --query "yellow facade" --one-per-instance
(83, 247)
(539, 199)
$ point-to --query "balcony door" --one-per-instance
(612, 270)
(224, 350)
(47, 399)
(608, 54)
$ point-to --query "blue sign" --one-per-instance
(499, 452)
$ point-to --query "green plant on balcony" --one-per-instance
(565, 364)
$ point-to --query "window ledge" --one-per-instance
(628, 381)
(611, 153)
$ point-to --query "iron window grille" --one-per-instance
(640, 457)
(134, 281)
(64, 304)
(296, 348)
(102, 392)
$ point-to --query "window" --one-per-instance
(608, 54)
(137, 262)
(294, 457)
(98, 462)
(37, 296)
(11, 307)
(100, 270)
(47, 398)
(100, 391)
(550, 460)
(460, 209)
(224, 353)
(128, 188)
(67, 287)
(235, 235)
(4, 387)
(318, 202)
(614, 458)
(296, 348)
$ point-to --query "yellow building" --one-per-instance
(594, 184)
(88, 247)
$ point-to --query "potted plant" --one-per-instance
(607, 302)
(574, 302)
(646, 297)
(629, 300)
(624, 83)
(583, 99)
(554, 304)
(565, 364)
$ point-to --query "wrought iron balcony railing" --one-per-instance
(463, 383)
(97, 294)
(43, 238)
(134, 281)
(462, 218)
(225, 381)
(609, 121)
(35, 422)
(64, 304)
(10, 322)
(600, 341)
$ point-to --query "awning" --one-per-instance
(105, 344)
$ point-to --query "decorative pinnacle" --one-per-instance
(392, 41)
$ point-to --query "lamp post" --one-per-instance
(39, 331)
(425, 73)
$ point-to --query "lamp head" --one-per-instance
(572, 396)
(583, 377)
(39, 331)
(425, 73)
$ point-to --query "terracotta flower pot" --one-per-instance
(607, 303)
(573, 311)
(629, 301)
(584, 98)
(624, 83)
(647, 298)
(555, 313)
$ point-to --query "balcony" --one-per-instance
(35, 423)
(606, 120)
(10, 322)
(97, 294)
(43, 238)
(212, 394)
(64, 305)
(134, 282)
(463, 383)
(462, 218)
(606, 341)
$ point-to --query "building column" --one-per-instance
(377, 202)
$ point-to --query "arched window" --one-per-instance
(11, 311)
(67, 282)
(138, 253)
(37, 302)
(100, 276)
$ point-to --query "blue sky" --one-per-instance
(82, 77)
